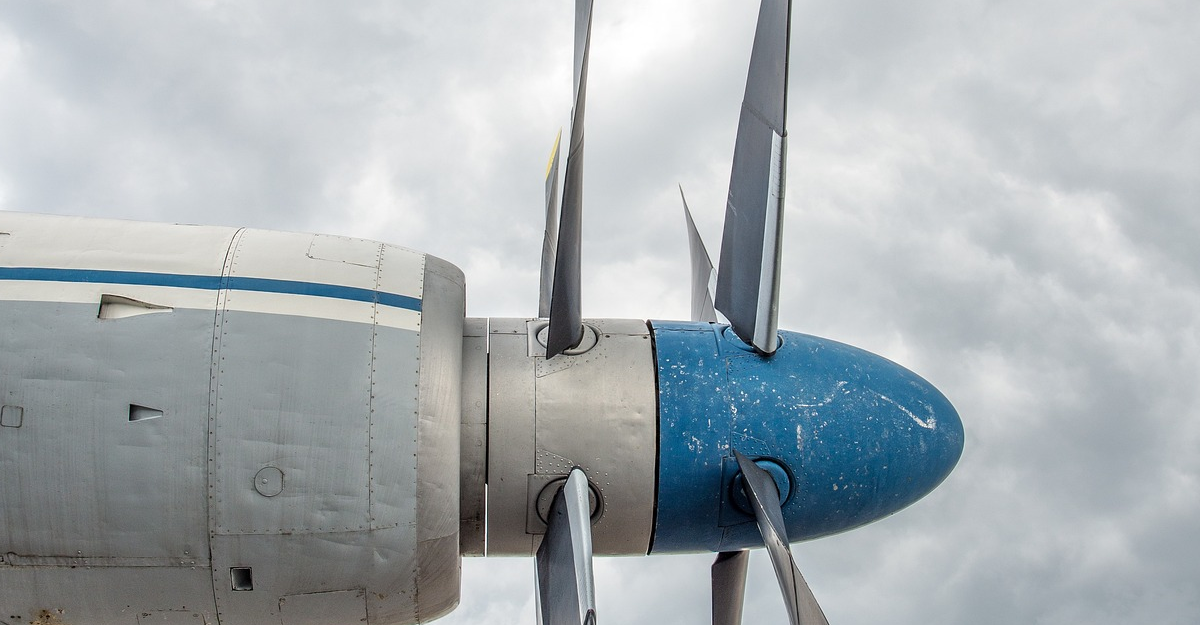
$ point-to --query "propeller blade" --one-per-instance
(550, 239)
(763, 494)
(702, 269)
(566, 319)
(729, 587)
(748, 277)
(566, 587)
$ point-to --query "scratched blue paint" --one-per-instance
(860, 436)
(211, 283)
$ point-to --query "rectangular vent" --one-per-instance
(12, 416)
(243, 577)
(142, 413)
(117, 307)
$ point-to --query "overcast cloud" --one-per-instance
(1002, 195)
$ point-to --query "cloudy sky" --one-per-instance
(1002, 195)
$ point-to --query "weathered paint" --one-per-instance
(860, 436)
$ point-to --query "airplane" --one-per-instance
(213, 425)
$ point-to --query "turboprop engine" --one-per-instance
(208, 425)
(652, 411)
(219, 426)
(272, 428)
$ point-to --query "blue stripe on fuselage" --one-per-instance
(211, 283)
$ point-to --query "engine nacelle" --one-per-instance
(209, 423)
(652, 411)
(594, 407)
(252, 426)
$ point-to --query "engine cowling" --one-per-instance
(652, 412)
(214, 423)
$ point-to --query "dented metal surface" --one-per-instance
(595, 410)
(277, 419)
(278, 434)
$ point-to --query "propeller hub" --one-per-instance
(546, 497)
(730, 336)
(778, 473)
(848, 437)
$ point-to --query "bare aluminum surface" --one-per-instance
(473, 439)
(116, 529)
(595, 410)
(332, 404)
(438, 438)
(339, 606)
(510, 437)
(373, 481)
(98, 512)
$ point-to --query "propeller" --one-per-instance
(566, 586)
(729, 587)
(747, 293)
(702, 269)
(729, 571)
(566, 320)
(550, 239)
(748, 276)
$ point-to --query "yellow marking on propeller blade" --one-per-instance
(554, 153)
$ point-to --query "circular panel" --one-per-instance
(590, 337)
(546, 498)
(268, 481)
